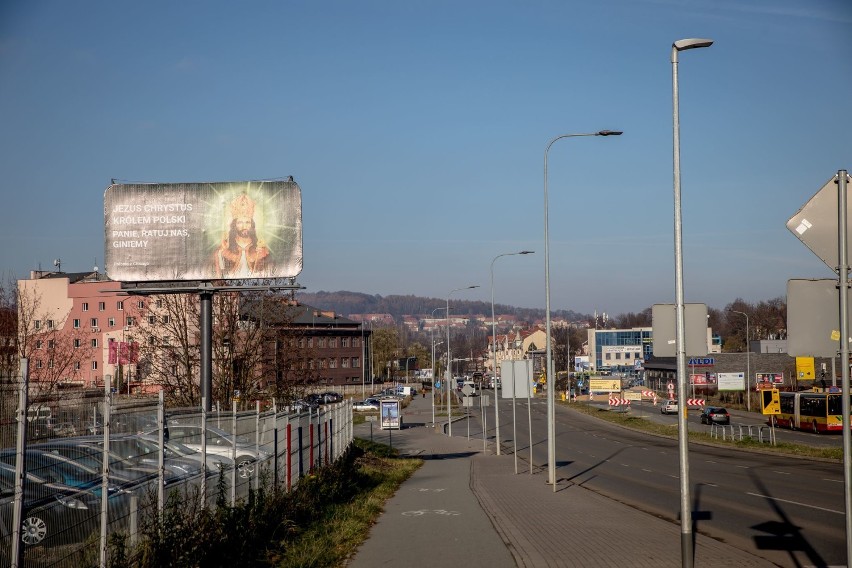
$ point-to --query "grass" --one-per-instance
(644, 425)
(337, 531)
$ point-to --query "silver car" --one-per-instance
(219, 443)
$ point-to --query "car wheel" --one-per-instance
(245, 466)
(33, 529)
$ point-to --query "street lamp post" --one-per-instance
(432, 335)
(550, 380)
(686, 546)
(748, 363)
(449, 374)
(494, 348)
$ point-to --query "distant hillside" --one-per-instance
(347, 303)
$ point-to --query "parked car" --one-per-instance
(145, 452)
(328, 397)
(219, 443)
(176, 449)
(715, 415)
(53, 513)
(669, 407)
(370, 404)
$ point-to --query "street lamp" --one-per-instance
(686, 547)
(432, 336)
(551, 387)
(449, 362)
(494, 346)
(748, 363)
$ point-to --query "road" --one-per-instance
(787, 510)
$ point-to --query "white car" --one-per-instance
(371, 404)
(669, 407)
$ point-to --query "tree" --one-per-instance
(385, 345)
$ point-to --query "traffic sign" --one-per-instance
(770, 401)
(650, 393)
(815, 224)
(468, 390)
(664, 329)
(695, 402)
(437, 384)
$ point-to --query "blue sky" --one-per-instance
(416, 130)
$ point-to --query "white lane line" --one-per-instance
(626, 464)
(648, 470)
(834, 480)
(794, 503)
(742, 466)
(782, 472)
(709, 461)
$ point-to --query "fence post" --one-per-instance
(256, 446)
(17, 552)
(289, 457)
(275, 460)
(134, 521)
(234, 452)
(105, 480)
(301, 458)
(161, 468)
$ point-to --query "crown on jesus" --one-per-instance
(242, 207)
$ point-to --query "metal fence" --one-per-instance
(72, 451)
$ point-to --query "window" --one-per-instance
(152, 320)
(85, 306)
(49, 324)
(76, 365)
(101, 306)
(111, 322)
(94, 322)
(344, 362)
(51, 344)
(322, 341)
(76, 324)
(356, 362)
(38, 364)
(38, 344)
(50, 363)
(159, 303)
(130, 321)
(310, 343)
(151, 340)
(37, 324)
(344, 342)
(301, 343)
(167, 319)
(332, 342)
(94, 365)
(76, 344)
(332, 363)
(140, 304)
(167, 340)
(607, 356)
(94, 342)
(323, 363)
(356, 342)
(120, 305)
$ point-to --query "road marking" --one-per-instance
(834, 480)
(626, 464)
(710, 484)
(795, 503)
(710, 461)
(782, 472)
(743, 466)
(648, 470)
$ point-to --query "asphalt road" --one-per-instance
(787, 510)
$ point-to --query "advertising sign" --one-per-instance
(768, 380)
(731, 381)
(703, 379)
(608, 385)
(390, 415)
(203, 231)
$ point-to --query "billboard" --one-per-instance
(768, 380)
(203, 231)
(731, 381)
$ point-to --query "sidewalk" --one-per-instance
(466, 507)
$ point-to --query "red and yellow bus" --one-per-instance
(815, 411)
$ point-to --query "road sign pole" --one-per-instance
(843, 273)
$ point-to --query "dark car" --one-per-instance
(715, 415)
(53, 513)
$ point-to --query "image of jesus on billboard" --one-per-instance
(203, 231)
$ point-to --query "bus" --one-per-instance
(815, 411)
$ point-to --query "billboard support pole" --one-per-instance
(206, 325)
